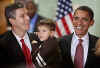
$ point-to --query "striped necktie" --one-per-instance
(78, 59)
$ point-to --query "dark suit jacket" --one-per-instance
(92, 60)
(49, 52)
(11, 55)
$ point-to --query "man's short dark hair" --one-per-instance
(11, 9)
(88, 9)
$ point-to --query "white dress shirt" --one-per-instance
(85, 45)
(26, 40)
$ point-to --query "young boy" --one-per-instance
(45, 51)
(46, 29)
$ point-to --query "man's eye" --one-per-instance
(85, 19)
(75, 18)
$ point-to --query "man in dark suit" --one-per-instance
(12, 52)
(82, 21)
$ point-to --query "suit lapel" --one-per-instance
(91, 55)
(68, 46)
(14, 45)
(31, 38)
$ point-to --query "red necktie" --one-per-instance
(78, 60)
(27, 54)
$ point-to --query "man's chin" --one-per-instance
(80, 34)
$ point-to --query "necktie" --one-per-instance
(27, 54)
(78, 60)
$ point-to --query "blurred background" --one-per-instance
(47, 8)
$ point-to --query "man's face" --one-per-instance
(21, 21)
(81, 22)
(31, 8)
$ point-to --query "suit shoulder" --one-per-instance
(4, 38)
(5, 35)
(66, 37)
(93, 37)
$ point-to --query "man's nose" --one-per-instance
(80, 21)
(27, 18)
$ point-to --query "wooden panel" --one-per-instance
(3, 25)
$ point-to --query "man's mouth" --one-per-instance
(78, 27)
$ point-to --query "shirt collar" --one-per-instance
(18, 38)
(85, 37)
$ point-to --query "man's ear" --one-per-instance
(92, 22)
(12, 21)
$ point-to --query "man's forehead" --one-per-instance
(81, 12)
(20, 10)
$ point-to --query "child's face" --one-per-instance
(43, 33)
